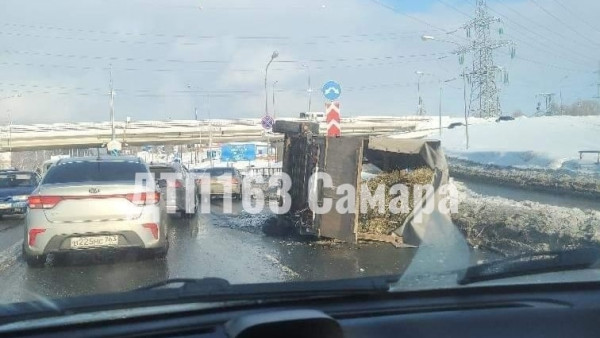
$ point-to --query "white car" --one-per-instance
(94, 204)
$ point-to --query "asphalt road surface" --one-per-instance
(230, 246)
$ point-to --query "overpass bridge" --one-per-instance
(136, 133)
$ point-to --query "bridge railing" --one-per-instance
(262, 171)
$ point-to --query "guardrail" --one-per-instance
(597, 152)
(265, 172)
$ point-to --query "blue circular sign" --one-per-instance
(267, 122)
(332, 90)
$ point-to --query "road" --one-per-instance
(230, 246)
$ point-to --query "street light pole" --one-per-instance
(440, 110)
(197, 122)
(420, 108)
(464, 76)
(112, 109)
(210, 151)
(273, 56)
(309, 90)
(274, 111)
(441, 95)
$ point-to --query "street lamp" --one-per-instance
(197, 122)
(273, 56)
(464, 76)
(309, 90)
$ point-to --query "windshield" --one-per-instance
(345, 139)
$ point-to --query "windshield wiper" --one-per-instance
(221, 289)
(530, 264)
(208, 284)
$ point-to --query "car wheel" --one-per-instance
(34, 261)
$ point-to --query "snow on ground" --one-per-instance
(512, 227)
(550, 142)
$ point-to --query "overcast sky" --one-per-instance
(168, 57)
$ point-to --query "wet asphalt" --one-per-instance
(217, 244)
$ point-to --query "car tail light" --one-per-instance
(153, 227)
(43, 202)
(144, 198)
(33, 235)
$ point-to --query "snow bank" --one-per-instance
(512, 227)
(551, 142)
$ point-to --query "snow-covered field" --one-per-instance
(551, 142)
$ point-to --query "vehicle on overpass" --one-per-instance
(312, 116)
(93, 204)
(15, 188)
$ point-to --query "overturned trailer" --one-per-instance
(306, 152)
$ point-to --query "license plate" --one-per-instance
(5, 206)
(94, 241)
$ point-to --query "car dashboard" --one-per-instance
(531, 311)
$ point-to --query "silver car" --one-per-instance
(94, 204)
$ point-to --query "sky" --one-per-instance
(171, 58)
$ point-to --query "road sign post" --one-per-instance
(333, 119)
(332, 91)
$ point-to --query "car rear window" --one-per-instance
(75, 172)
(219, 171)
(13, 180)
(160, 170)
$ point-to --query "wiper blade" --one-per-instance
(530, 264)
(221, 289)
(205, 284)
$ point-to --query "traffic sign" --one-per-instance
(332, 90)
(333, 119)
(267, 122)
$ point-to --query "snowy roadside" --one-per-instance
(510, 227)
(545, 180)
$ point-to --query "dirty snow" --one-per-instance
(513, 227)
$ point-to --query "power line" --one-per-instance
(454, 8)
(414, 18)
(562, 22)
(342, 38)
(547, 47)
(528, 19)
(343, 63)
(101, 92)
(580, 18)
